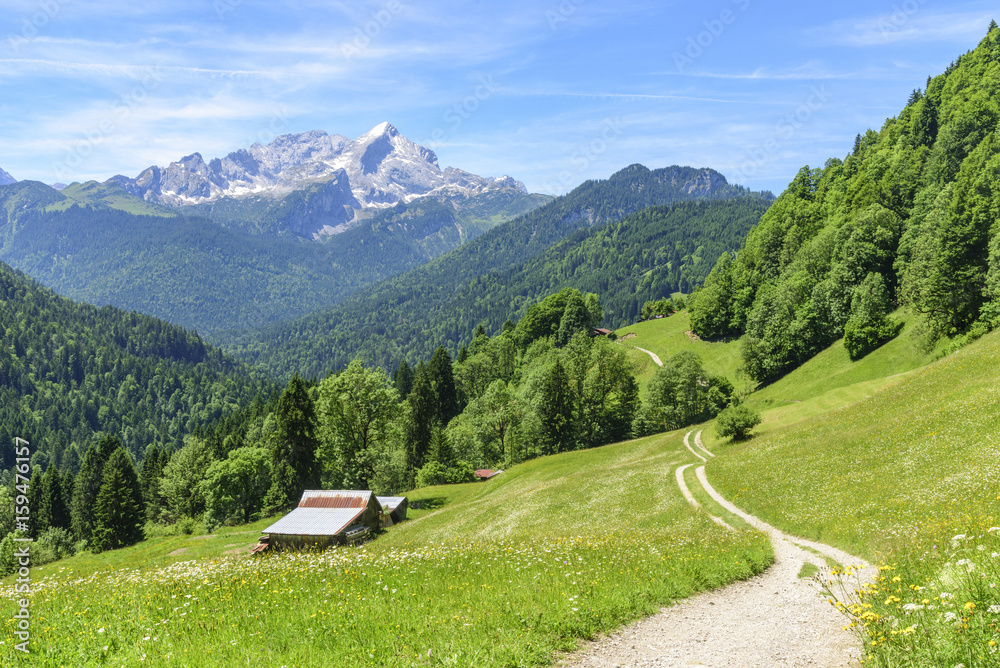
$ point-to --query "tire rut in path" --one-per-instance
(773, 619)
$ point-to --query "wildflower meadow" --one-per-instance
(449, 588)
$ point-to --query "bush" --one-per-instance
(737, 422)
(7, 563)
(58, 541)
(434, 473)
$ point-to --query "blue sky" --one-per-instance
(549, 92)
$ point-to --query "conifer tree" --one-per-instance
(118, 514)
(88, 484)
(403, 379)
(556, 412)
(420, 428)
(149, 479)
(442, 380)
(294, 444)
(52, 510)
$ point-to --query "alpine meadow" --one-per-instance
(325, 400)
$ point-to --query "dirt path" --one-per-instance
(656, 358)
(774, 619)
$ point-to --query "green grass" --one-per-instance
(109, 195)
(808, 570)
(502, 573)
(893, 478)
(668, 336)
(710, 505)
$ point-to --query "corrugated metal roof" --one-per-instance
(315, 521)
(390, 503)
(334, 498)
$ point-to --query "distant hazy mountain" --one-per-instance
(6, 178)
(314, 184)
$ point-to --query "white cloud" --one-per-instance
(909, 22)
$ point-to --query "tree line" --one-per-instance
(905, 220)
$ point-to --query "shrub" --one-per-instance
(59, 541)
(737, 422)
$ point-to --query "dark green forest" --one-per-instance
(907, 219)
(644, 257)
(194, 272)
(69, 371)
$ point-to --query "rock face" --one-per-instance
(336, 182)
(6, 178)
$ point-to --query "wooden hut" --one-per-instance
(326, 517)
(393, 509)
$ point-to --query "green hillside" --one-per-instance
(70, 370)
(95, 242)
(907, 218)
(508, 573)
(644, 256)
(906, 478)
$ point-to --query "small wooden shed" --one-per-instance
(393, 509)
(324, 518)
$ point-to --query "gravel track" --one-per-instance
(773, 619)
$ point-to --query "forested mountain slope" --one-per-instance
(907, 218)
(645, 256)
(94, 242)
(69, 370)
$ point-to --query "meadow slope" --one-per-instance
(501, 574)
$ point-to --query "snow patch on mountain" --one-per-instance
(377, 170)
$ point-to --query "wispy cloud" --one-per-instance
(906, 23)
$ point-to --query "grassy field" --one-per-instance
(668, 336)
(909, 478)
(502, 573)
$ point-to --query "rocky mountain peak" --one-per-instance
(6, 178)
(378, 169)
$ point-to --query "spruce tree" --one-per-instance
(118, 514)
(88, 484)
(52, 511)
(442, 380)
(294, 443)
(149, 481)
(403, 379)
(556, 412)
(420, 429)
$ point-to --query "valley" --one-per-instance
(655, 418)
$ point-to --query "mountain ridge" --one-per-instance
(346, 181)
